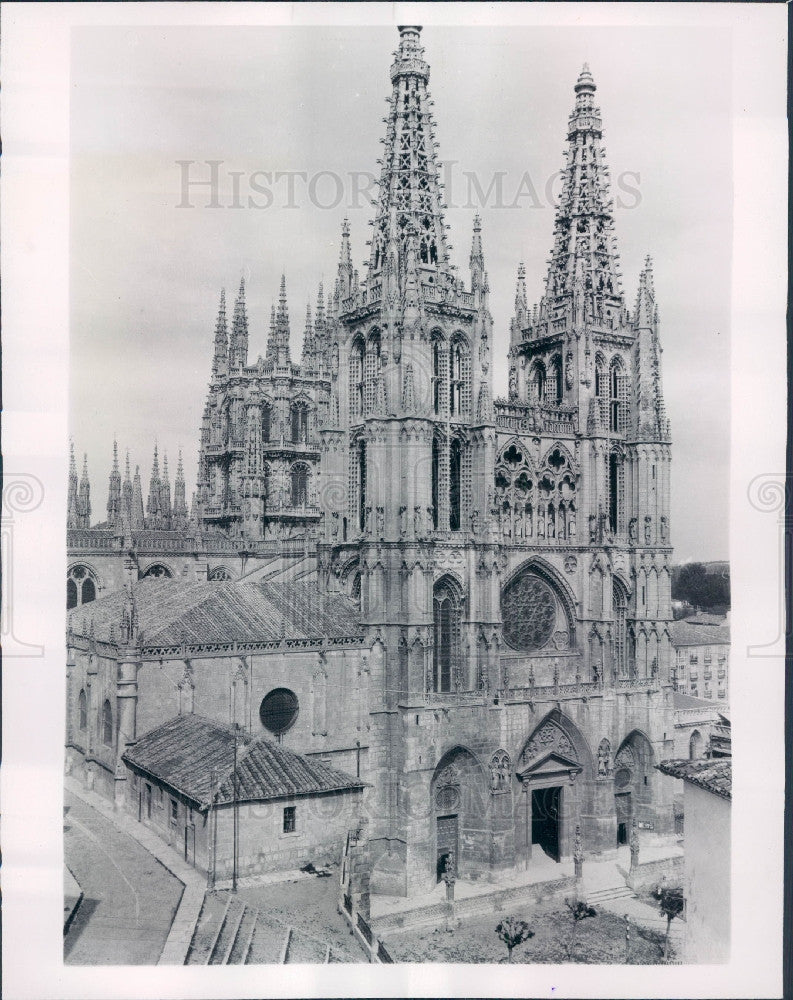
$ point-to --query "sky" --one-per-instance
(294, 117)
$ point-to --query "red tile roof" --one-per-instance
(714, 775)
(171, 612)
(184, 752)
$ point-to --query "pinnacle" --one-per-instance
(585, 80)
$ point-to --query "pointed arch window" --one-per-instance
(107, 724)
(299, 485)
(80, 587)
(620, 603)
(616, 493)
(446, 649)
(436, 482)
(266, 422)
(600, 389)
(356, 380)
(299, 417)
(537, 383)
(455, 484)
(459, 379)
(557, 383)
(82, 711)
(440, 375)
(618, 397)
(361, 484)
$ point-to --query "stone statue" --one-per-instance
(334, 524)
(603, 760)
(596, 673)
(654, 667)
(474, 522)
(513, 383)
(632, 529)
(417, 525)
(403, 520)
(578, 854)
(648, 529)
(592, 528)
(380, 522)
(664, 529)
(430, 519)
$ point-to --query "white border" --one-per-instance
(35, 59)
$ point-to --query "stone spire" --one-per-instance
(278, 341)
(220, 360)
(521, 302)
(180, 512)
(321, 345)
(72, 515)
(309, 349)
(477, 258)
(126, 496)
(137, 520)
(165, 494)
(114, 492)
(345, 276)
(238, 343)
(84, 498)
(583, 269)
(409, 186)
(154, 503)
(650, 407)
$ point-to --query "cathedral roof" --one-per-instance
(684, 634)
(713, 775)
(172, 613)
(184, 752)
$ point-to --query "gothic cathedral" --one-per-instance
(509, 557)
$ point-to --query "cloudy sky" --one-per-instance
(294, 115)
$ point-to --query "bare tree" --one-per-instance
(579, 911)
(671, 903)
(513, 932)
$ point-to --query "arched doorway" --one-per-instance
(459, 799)
(551, 766)
(633, 784)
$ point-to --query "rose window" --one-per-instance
(528, 608)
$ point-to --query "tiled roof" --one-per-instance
(183, 752)
(687, 701)
(171, 612)
(683, 633)
(713, 775)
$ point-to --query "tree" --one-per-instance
(513, 932)
(671, 903)
(578, 911)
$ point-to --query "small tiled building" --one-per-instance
(186, 779)
(708, 800)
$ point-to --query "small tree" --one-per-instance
(513, 932)
(578, 911)
(671, 903)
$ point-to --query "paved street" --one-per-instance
(130, 899)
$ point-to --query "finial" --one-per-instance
(585, 81)
(477, 223)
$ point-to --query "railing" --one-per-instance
(358, 924)
(93, 538)
(517, 417)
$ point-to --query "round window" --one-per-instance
(528, 608)
(278, 710)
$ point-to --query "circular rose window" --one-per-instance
(528, 608)
(278, 710)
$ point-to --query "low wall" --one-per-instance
(651, 872)
(491, 902)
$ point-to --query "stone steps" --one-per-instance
(609, 892)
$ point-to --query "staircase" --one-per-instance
(229, 932)
(597, 896)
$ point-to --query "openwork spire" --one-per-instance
(180, 512)
(278, 341)
(321, 345)
(409, 186)
(309, 350)
(238, 344)
(220, 360)
(583, 263)
(72, 503)
(114, 492)
(84, 498)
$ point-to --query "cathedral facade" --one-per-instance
(507, 560)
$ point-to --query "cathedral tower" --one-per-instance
(407, 465)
